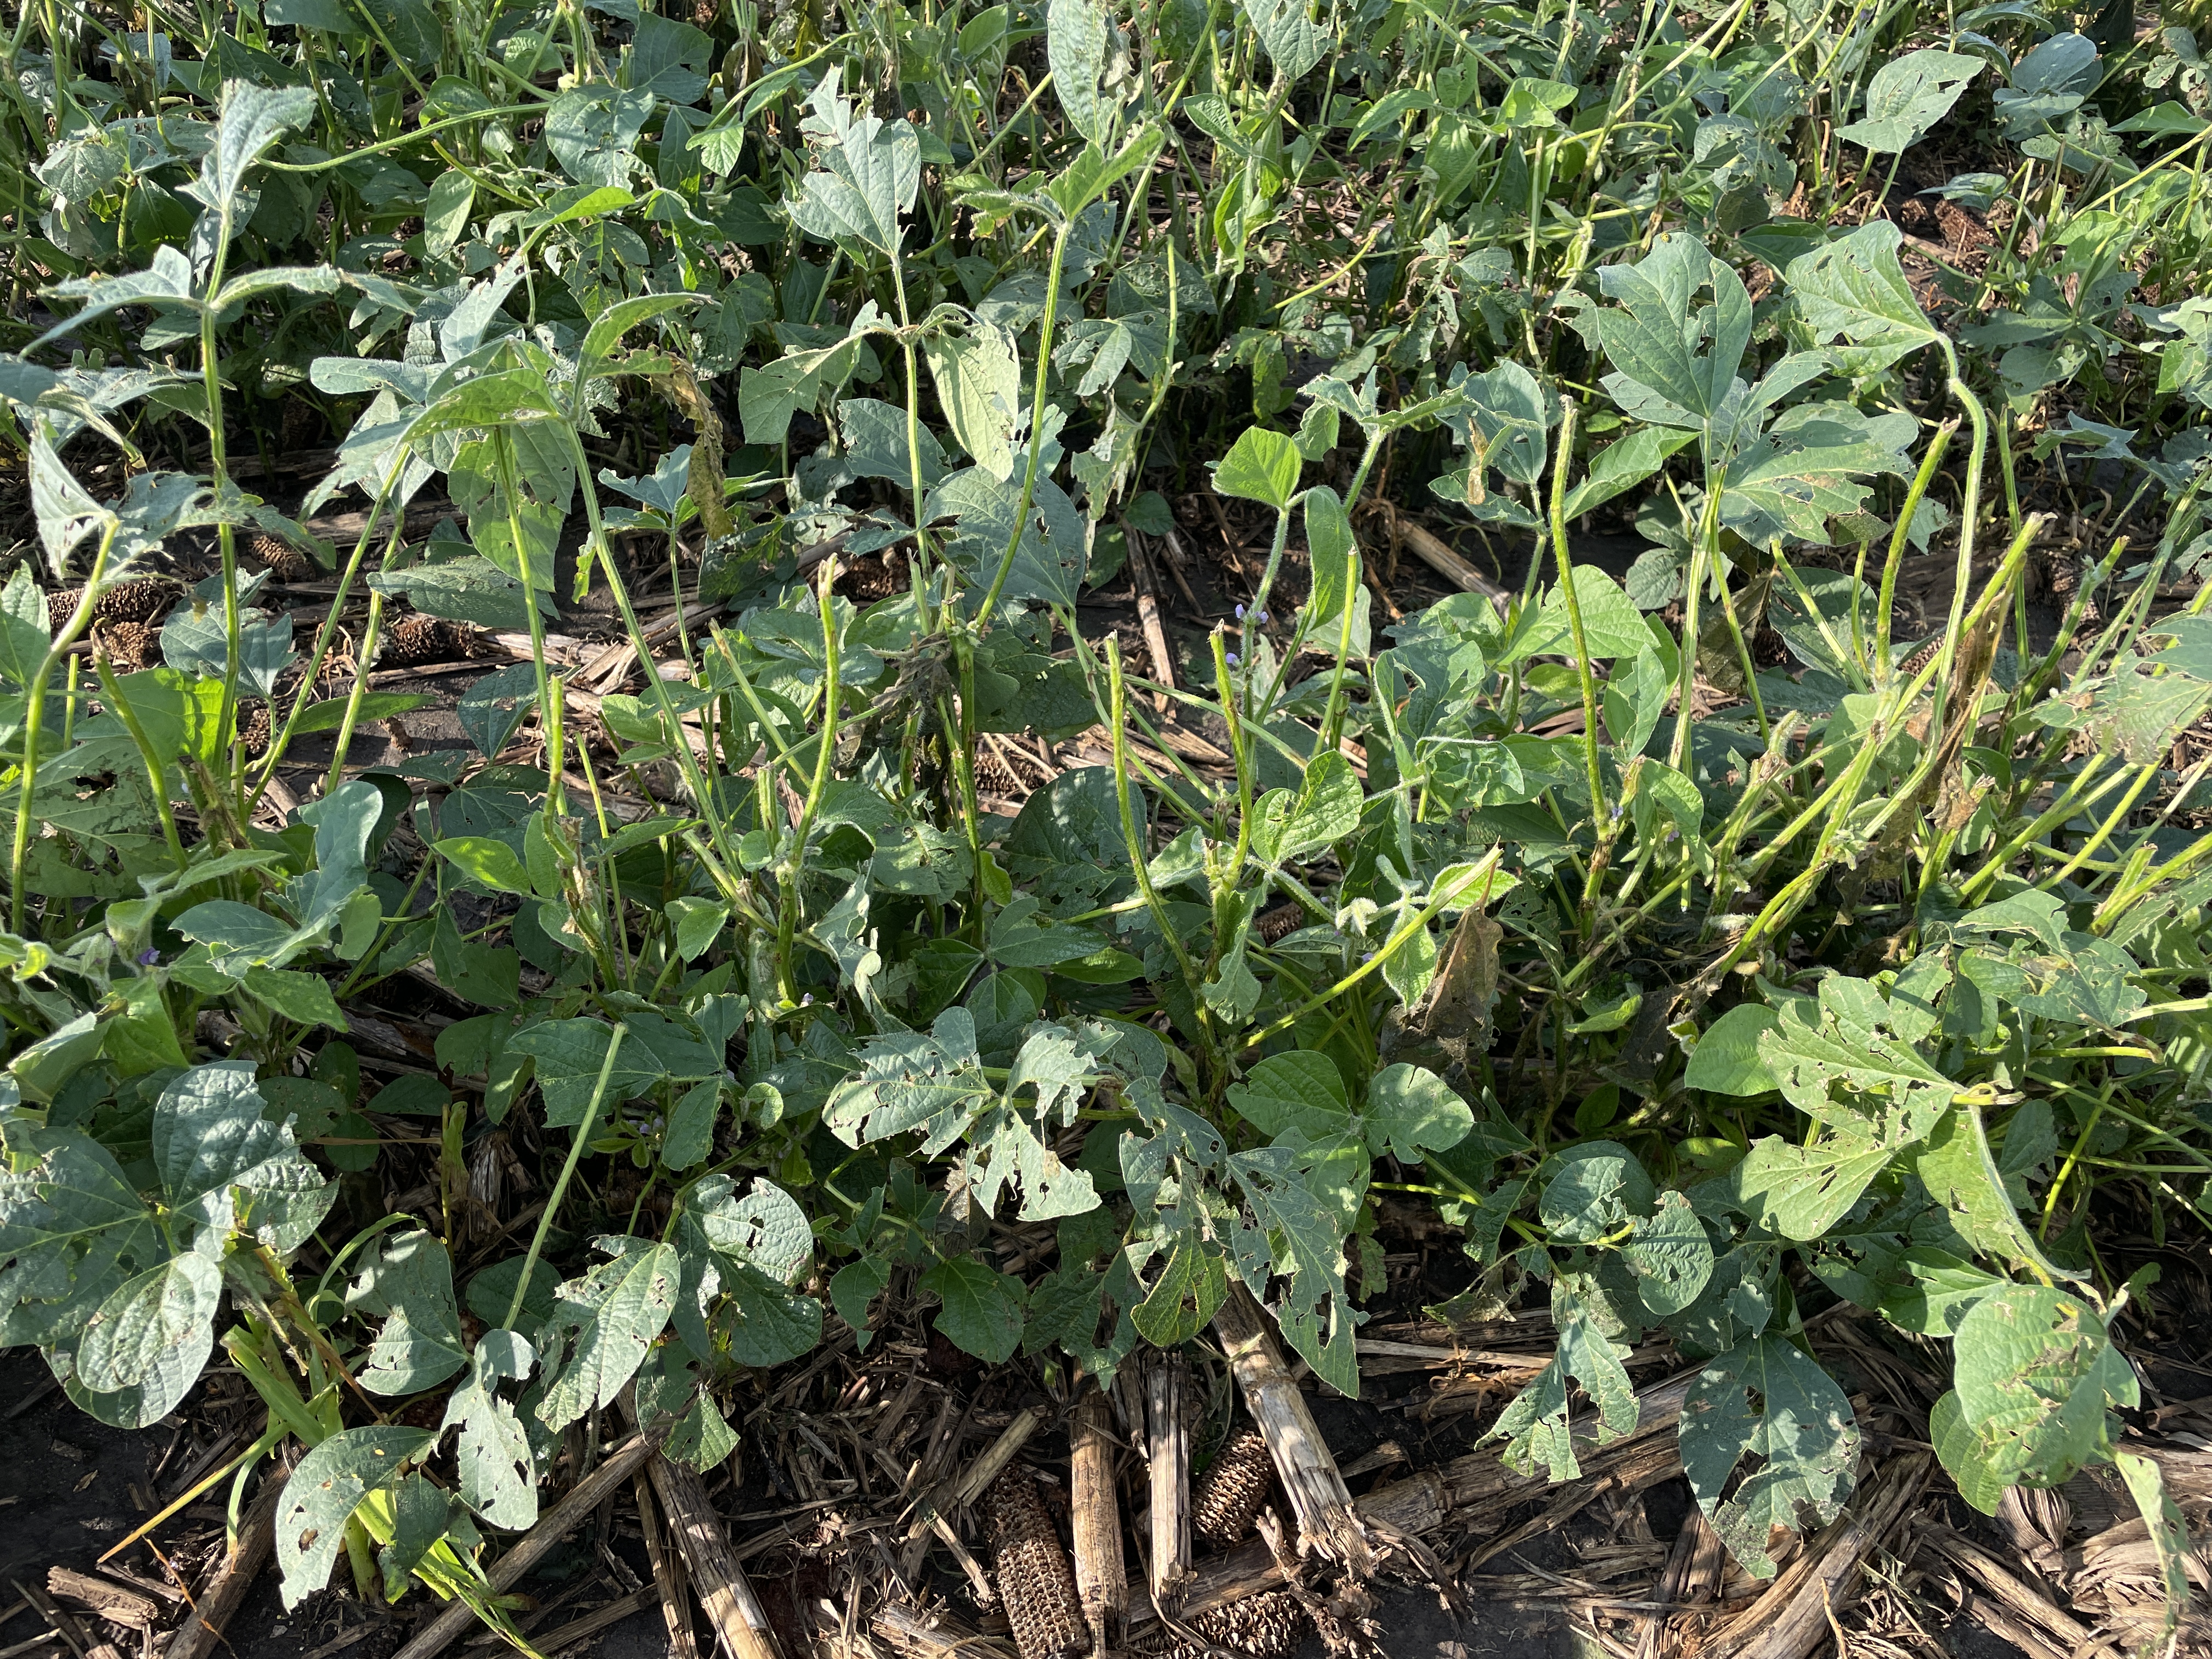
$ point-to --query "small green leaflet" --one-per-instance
(497, 1478)
(1411, 1111)
(1768, 1400)
(1593, 1189)
(153, 1333)
(979, 385)
(1297, 1239)
(1261, 466)
(873, 170)
(1301, 1090)
(1674, 361)
(1075, 51)
(1854, 289)
(1670, 1254)
(2036, 1375)
(2169, 1536)
(982, 1313)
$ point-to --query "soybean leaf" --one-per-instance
(1261, 466)
(497, 1478)
(871, 171)
(419, 1344)
(1961, 1174)
(603, 1323)
(1293, 1236)
(1302, 1091)
(1075, 51)
(1854, 289)
(74, 1229)
(324, 1491)
(1675, 360)
(2169, 1536)
(1535, 1426)
(981, 1310)
(978, 377)
(1593, 1189)
(1294, 43)
(1908, 96)
(1411, 1111)
(2037, 1374)
(211, 1139)
(1670, 1255)
(153, 1333)
(1769, 1400)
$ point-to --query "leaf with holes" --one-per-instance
(325, 1491)
(1767, 1399)
(419, 1344)
(603, 1323)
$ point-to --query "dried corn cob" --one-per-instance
(1920, 659)
(1268, 1626)
(414, 640)
(140, 601)
(61, 606)
(1035, 1581)
(870, 577)
(254, 729)
(289, 563)
(302, 421)
(1232, 1489)
(129, 644)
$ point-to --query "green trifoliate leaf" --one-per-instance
(1301, 1090)
(979, 385)
(1594, 1190)
(2037, 1376)
(211, 1141)
(1293, 1236)
(72, 1228)
(1535, 1426)
(1261, 466)
(1324, 811)
(1294, 43)
(153, 1334)
(911, 1080)
(492, 1458)
(1854, 290)
(871, 172)
(1961, 1174)
(1908, 96)
(1075, 50)
(1674, 358)
(2169, 1536)
(1670, 1254)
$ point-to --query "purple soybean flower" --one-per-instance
(148, 956)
